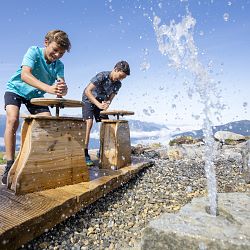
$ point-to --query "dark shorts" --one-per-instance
(11, 98)
(89, 111)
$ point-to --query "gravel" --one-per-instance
(116, 220)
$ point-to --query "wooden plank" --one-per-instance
(22, 154)
(37, 117)
(123, 145)
(108, 150)
(117, 112)
(26, 216)
(115, 150)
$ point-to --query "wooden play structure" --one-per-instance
(49, 180)
(51, 153)
(115, 149)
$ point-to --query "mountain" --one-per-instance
(240, 127)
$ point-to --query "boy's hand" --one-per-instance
(104, 105)
(62, 88)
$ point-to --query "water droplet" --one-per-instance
(145, 111)
(189, 189)
(226, 17)
(113, 167)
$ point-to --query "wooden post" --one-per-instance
(51, 154)
(115, 148)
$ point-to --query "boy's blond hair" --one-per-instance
(60, 37)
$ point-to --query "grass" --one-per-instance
(184, 140)
(2, 160)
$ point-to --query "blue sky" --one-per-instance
(104, 32)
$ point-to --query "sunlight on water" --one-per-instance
(177, 43)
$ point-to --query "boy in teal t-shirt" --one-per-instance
(41, 72)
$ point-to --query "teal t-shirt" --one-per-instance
(47, 73)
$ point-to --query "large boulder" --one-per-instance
(193, 228)
(226, 136)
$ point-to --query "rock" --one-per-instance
(247, 176)
(184, 140)
(191, 227)
(226, 136)
(245, 152)
(44, 245)
(91, 230)
(163, 153)
(175, 153)
(138, 149)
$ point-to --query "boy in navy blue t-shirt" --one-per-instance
(99, 94)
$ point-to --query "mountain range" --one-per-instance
(146, 132)
(140, 131)
(239, 127)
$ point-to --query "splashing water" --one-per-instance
(176, 41)
(145, 65)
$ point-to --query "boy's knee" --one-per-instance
(12, 122)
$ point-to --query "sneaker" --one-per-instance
(6, 171)
(89, 162)
(98, 154)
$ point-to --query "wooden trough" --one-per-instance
(49, 180)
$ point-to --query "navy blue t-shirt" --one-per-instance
(104, 86)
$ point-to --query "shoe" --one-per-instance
(98, 154)
(89, 162)
(6, 171)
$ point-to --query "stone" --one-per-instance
(194, 228)
(226, 135)
(175, 153)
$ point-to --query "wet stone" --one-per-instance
(191, 227)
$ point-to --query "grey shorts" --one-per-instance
(89, 111)
(11, 98)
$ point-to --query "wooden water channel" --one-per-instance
(50, 181)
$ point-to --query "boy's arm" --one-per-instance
(27, 77)
(88, 93)
(111, 97)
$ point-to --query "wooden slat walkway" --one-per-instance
(24, 217)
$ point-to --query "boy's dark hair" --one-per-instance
(123, 66)
(60, 37)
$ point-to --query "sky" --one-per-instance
(102, 32)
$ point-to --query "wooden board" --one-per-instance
(51, 155)
(117, 112)
(115, 148)
(24, 217)
(61, 102)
